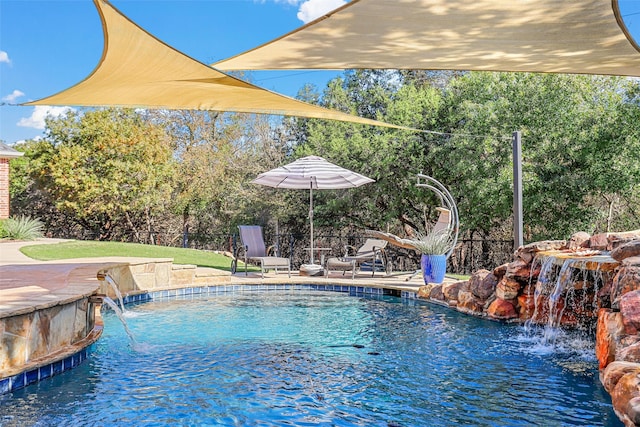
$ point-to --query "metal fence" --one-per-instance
(468, 256)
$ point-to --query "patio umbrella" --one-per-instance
(313, 173)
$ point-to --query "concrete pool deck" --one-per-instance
(27, 284)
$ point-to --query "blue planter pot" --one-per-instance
(433, 268)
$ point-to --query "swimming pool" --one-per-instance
(301, 357)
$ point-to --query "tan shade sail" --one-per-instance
(138, 70)
(582, 37)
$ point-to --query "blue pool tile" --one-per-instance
(46, 371)
(66, 363)
(5, 385)
(18, 381)
(31, 376)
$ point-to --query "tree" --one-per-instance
(571, 136)
(108, 170)
(391, 157)
(218, 154)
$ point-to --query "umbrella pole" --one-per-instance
(311, 217)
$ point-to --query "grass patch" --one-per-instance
(95, 249)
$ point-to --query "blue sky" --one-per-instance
(47, 46)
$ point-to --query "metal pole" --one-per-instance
(517, 191)
(311, 217)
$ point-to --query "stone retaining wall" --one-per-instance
(30, 339)
(142, 276)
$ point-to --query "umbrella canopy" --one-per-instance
(312, 173)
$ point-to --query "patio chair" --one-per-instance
(253, 249)
(444, 220)
(372, 253)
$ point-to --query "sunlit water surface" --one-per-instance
(302, 358)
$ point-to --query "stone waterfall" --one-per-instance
(589, 282)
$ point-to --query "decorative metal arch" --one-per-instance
(446, 199)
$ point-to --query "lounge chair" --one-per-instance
(444, 220)
(372, 252)
(253, 248)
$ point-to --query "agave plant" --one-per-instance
(22, 228)
(435, 243)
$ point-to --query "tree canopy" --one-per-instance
(115, 172)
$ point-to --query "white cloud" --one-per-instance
(312, 9)
(40, 113)
(13, 96)
(4, 57)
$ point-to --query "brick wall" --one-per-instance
(4, 188)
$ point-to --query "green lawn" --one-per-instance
(93, 249)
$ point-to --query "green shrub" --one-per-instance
(3, 232)
(22, 228)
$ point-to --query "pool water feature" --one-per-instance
(567, 288)
(116, 291)
(314, 358)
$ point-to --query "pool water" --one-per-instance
(312, 358)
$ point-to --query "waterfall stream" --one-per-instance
(116, 290)
(112, 304)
